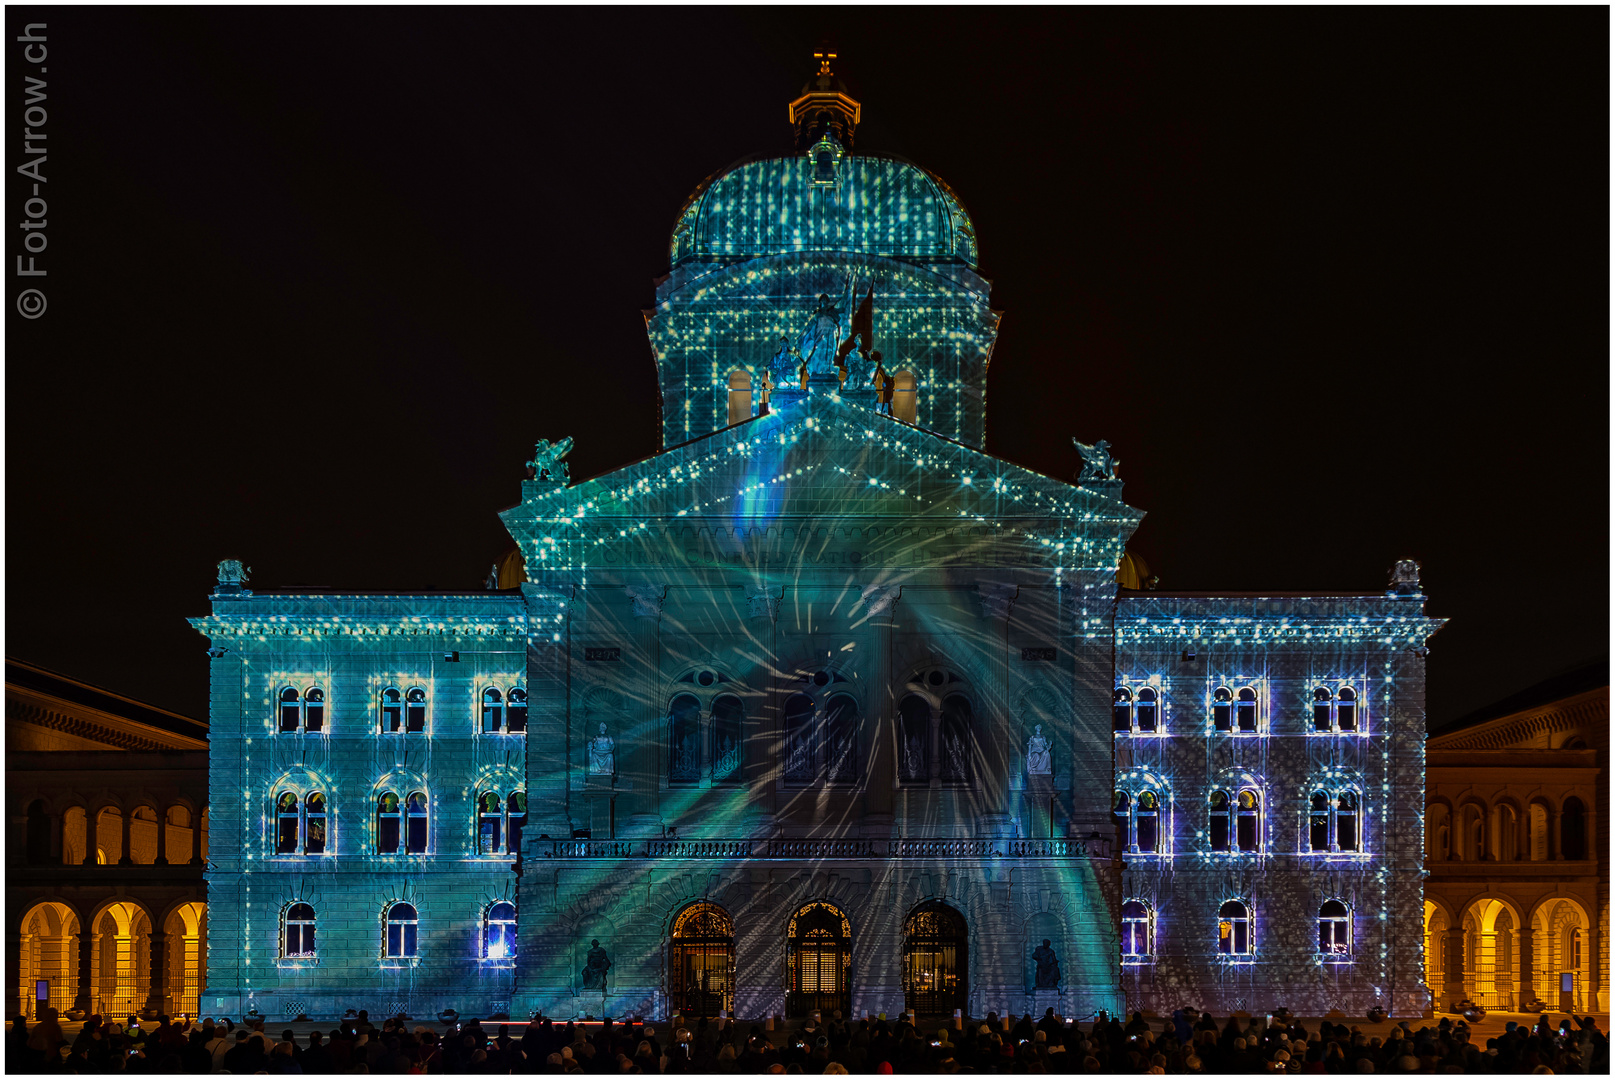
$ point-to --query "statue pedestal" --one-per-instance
(1038, 1001)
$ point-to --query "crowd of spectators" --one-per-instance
(1190, 1042)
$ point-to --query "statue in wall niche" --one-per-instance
(602, 756)
(1048, 966)
(1098, 463)
(1039, 754)
(595, 966)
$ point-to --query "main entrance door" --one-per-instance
(936, 950)
(819, 943)
(702, 965)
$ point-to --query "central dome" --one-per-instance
(832, 202)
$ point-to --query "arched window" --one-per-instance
(516, 711)
(1246, 710)
(1147, 709)
(1249, 817)
(1220, 820)
(493, 710)
(1318, 822)
(287, 822)
(1222, 709)
(684, 741)
(1346, 709)
(739, 397)
(402, 926)
(516, 811)
(415, 709)
(1122, 710)
(1146, 826)
(702, 961)
(499, 931)
(415, 819)
(490, 823)
(728, 718)
(1322, 714)
(936, 955)
(800, 760)
(914, 739)
(392, 710)
(1332, 821)
(957, 739)
(1573, 830)
(1234, 929)
(314, 808)
(1539, 832)
(818, 945)
(297, 938)
(1138, 931)
(1334, 930)
(905, 396)
(841, 740)
(388, 823)
(1334, 710)
(291, 711)
(1121, 812)
(1346, 834)
(314, 709)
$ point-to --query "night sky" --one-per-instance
(1334, 284)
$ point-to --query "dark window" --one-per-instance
(1222, 709)
(913, 735)
(1147, 709)
(1334, 929)
(493, 710)
(490, 823)
(314, 709)
(1346, 709)
(415, 812)
(956, 738)
(516, 711)
(315, 804)
(289, 718)
(1233, 929)
(1148, 822)
(1247, 709)
(1219, 821)
(1318, 828)
(1120, 814)
(728, 719)
(415, 710)
(402, 923)
(1136, 936)
(392, 710)
(1250, 820)
(499, 932)
(299, 931)
(1122, 711)
(1321, 720)
(516, 806)
(1346, 821)
(1573, 830)
(684, 741)
(841, 740)
(800, 760)
(286, 822)
(388, 822)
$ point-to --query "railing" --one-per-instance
(778, 847)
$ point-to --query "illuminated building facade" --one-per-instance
(809, 711)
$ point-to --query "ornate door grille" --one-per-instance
(702, 964)
(819, 952)
(936, 951)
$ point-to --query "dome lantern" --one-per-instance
(824, 111)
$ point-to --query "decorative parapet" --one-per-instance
(797, 848)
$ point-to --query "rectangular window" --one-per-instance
(387, 835)
(286, 841)
(516, 712)
(288, 716)
(316, 836)
(1320, 831)
(1347, 711)
(1346, 830)
(314, 711)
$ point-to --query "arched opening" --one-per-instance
(1435, 948)
(818, 945)
(38, 834)
(109, 836)
(684, 741)
(121, 964)
(49, 969)
(1138, 932)
(1560, 932)
(1474, 832)
(905, 396)
(913, 734)
(1505, 833)
(728, 718)
(936, 952)
(1334, 931)
(402, 927)
(702, 961)
(1491, 954)
(186, 929)
(958, 739)
(143, 836)
(178, 827)
(1234, 936)
(841, 740)
(739, 397)
(1437, 833)
(75, 831)
(499, 931)
(1538, 815)
(800, 759)
(1041, 952)
(1573, 830)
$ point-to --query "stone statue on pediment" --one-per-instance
(602, 754)
(547, 463)
(1098, 463)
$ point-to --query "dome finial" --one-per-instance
(824, 108)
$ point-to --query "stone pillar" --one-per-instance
(157, 996)
(162, 837)
(92, 834)
(16, 941)
(1453, 990)
(1595, 953)
(196, 838)
(124, 858)
(1523, 978)
(881, 778)
(86, 959)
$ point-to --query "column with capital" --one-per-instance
(162, 838)
(196, 838)
(124, 858)
(92, 836)
(157, 996)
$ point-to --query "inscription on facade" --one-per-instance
(1037, 652)
(603, 654)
